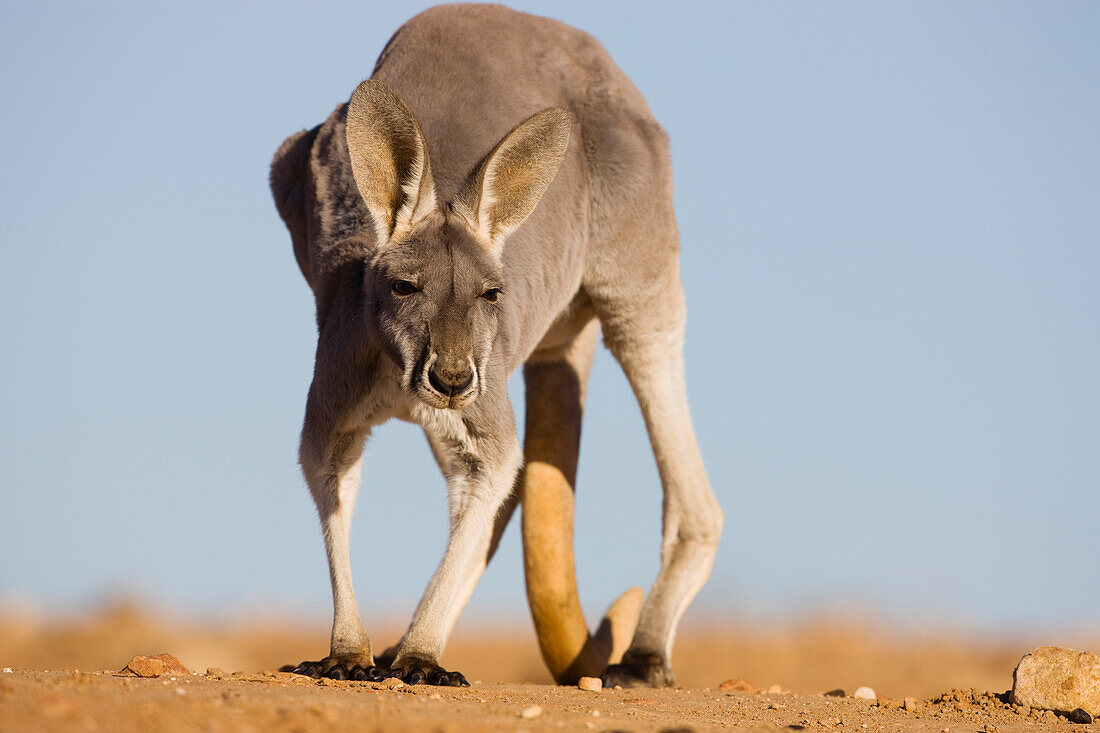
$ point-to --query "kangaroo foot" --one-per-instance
(414, 671)
(639, 670)
(337, 668)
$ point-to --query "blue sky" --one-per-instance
(890, 221)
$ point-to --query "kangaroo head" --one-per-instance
(435, 285)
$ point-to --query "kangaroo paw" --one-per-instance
(639, 670)
(335, 668)
(414, 671)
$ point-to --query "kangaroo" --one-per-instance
(492, 197)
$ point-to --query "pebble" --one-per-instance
(8, 670)
(838, 692)
(738, 685)
(864, 693)
(592, 684)
(1080, 716)
(910, 704)
(1054, 678)
(392, 683)
(531, 712)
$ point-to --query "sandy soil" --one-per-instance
(508, 678)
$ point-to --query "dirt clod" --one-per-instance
(155, 666)
(738, 685)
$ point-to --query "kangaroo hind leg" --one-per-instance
(648, 344)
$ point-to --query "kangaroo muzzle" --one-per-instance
(448, 381)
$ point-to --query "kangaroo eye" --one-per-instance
(491, 294)
(404, 287)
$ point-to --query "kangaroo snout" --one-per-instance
(450, 382)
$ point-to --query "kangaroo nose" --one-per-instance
(450, 383)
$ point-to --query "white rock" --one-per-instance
(533, 711)
(864, 693)
(1053, 678)
(592, 684)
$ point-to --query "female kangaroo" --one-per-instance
(491, 197)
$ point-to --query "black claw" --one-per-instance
(357, 673)
(309, 669)
(457, 679)
(377, 674)
(337, 673)
(414, 677)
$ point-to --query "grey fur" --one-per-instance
(600, 243)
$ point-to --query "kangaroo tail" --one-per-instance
(555, 400)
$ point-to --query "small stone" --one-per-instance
(1054, 678)
(864, 693)
(531, 712)
(910, 704)
(392, 683)
(592, 684)
(989, 728)
(217, 672)
(838, 692)
(144, 666)
(8, 670)
(1077, 715)
(181, 691)
(738, 685)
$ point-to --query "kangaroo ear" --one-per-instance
(504, 189)
(389, 161)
